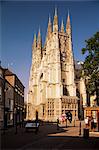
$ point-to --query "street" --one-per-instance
(49, 137)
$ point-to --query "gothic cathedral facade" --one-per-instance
(52, 87)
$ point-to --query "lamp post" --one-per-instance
(15, 112)
(4, 116)
(80, 126)
(23, 113)
(4, 113)
(74, 118)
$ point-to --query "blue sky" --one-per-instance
(21, 19)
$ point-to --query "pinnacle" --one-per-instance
(68, 26)
(39, 38)
(34, 36)
(62, 26)
(55, 22)
(68, 18)
(49, 28)
(55, 11)
(34, 42)
(49, 25)
(39, 32)
(49, 19)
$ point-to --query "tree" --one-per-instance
(91, 65)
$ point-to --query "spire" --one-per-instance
(34, 37)
(68, 26)
(39, 39)
(39, 34)
(39, 49)
(34, 42)
(68, 18)
(55, 23)
(49, 22)
(49, 29)
(62, 27)
(55, 11)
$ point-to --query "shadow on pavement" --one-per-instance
(48, 137)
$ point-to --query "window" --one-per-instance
(77, 93)
(65, 91)
(63, 80)
(41, 76)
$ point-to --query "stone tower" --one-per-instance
(52, 89)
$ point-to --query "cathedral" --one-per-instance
(52, 85)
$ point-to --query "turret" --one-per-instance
(55, 23)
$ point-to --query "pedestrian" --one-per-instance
(92, 124)
(95, 123)
(87, 122)
(57, 123)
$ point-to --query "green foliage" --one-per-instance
(91, 64)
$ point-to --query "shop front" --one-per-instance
(92, 115)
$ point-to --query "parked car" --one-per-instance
(32, 125)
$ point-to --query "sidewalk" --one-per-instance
(48, 135)
(94, 134)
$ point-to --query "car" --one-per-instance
(32, 125)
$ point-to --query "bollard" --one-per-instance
(16, 129)
(86, 133)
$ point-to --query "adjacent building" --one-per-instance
(11, 99)
(1, 96)
(18, 95)
(80, 89)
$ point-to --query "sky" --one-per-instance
(19, 20)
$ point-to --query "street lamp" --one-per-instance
(80, 126)
(4, 116)
(15, 112)
(23, 113)
(74, 118)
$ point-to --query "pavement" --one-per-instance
(49, 137)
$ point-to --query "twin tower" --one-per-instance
(52, 90)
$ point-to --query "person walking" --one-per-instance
(87, 122)
(57, 123)
(92, 124)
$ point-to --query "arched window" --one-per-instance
(41, 76)
(77, 93)
(65, 91)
